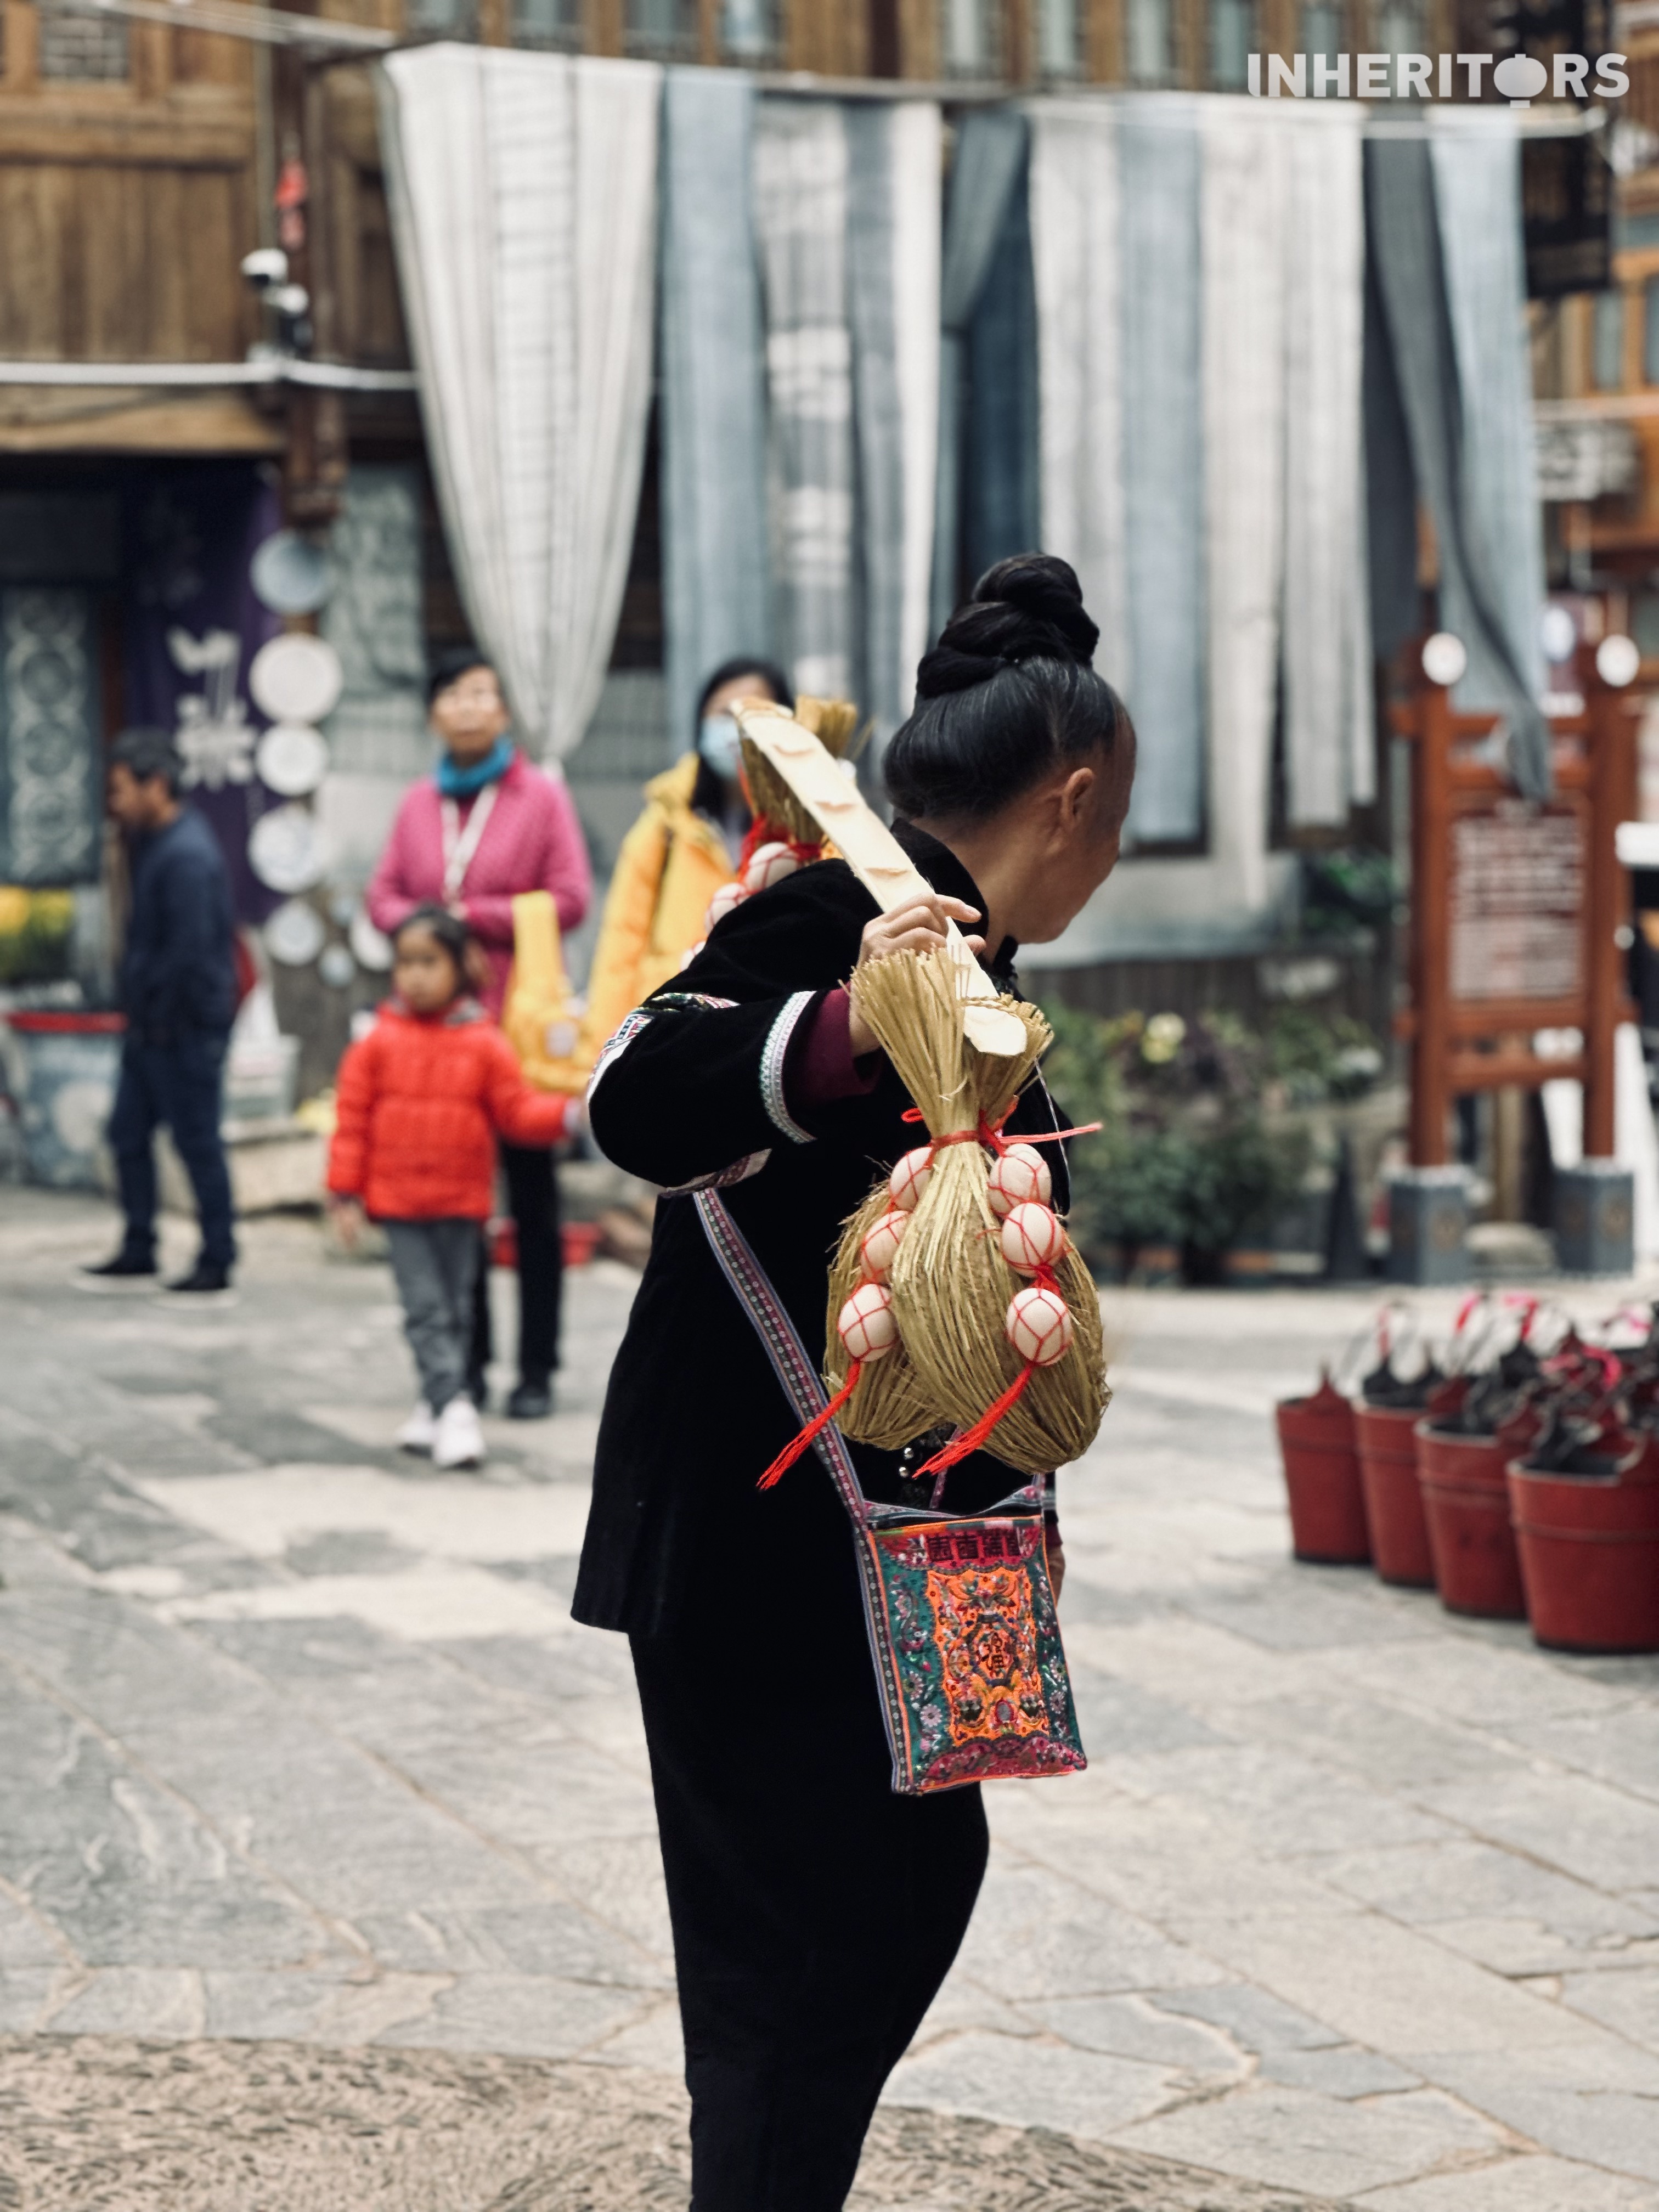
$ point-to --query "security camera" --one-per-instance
(266, 267)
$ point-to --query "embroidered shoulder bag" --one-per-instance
(959, 1611)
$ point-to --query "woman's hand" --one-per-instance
(918, 925)
(347, 1217)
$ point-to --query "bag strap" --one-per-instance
(802, 1387)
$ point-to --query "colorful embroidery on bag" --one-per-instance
(980, 1674)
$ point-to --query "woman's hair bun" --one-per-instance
(1029, 607)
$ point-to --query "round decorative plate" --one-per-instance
(294, 933)
(295, 677)
(337, 968)
(286, 850)
(373, 950)
(290, 574)
(292, 759)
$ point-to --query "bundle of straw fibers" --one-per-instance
(950, 1282)
(832, 722)
(889, 1407)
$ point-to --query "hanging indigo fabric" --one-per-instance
(987, 174)
(1000, 508)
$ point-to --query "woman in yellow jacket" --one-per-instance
(677, 855)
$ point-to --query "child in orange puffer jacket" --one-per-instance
(421, 1099)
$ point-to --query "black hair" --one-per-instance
(746, 663)
(145, 754)
(452, 664)
(707, 796)
(451, 931)
(1008, 695)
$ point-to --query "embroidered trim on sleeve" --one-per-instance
(681, 998)
(617, 1044)
(772, 1059)
(740, 1171)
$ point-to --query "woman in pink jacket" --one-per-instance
(487, 825)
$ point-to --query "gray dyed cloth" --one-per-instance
(1476, 603)
(716, 581)
(1158, 172)
(987, 177)
(436, 1265)
(801, 195)
(1477, 193)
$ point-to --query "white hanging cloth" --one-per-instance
(1245, 192)
(523, 192)
(1330, 757)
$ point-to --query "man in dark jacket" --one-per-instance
(178, 993)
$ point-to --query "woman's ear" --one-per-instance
(1077, 797)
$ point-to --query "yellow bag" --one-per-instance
(538, 1017)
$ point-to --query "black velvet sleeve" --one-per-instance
(692, 1085)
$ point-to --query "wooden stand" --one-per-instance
(1518, 910)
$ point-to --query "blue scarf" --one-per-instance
(466, 782)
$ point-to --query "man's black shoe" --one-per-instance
(203, 1280)
(531, 1402)
(126, 1268)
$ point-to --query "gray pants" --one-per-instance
(436, 1264)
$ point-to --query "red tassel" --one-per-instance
(969, 1440)
(793, 1450)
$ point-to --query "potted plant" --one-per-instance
(1584, 1499)
(1321, 1454)
(1186, 1162)
(1463, 1446)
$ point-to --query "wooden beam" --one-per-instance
(1105, 60)
(1467, 1072)
(47, 419)
(29, 132)
(1431, 947)
(22, 54)
(605, 27)
(1606, 907)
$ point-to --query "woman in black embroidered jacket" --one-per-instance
(814, 1913)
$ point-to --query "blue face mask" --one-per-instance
(720, 743)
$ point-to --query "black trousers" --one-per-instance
(814, 1913)
(532, 1193)
(181, 1084)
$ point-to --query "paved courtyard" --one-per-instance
(327, 1871)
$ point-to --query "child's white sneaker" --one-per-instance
(418, 1431)
(459, 1441)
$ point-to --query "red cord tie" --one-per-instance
(764, 831)
(814, 1429)
(967, 1441)
(989, 1133)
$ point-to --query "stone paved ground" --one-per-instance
(327, 1873)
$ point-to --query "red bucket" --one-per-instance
(1589, 1558)
(1322, 1475)
(1394, 1500)
(1466, 1502)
